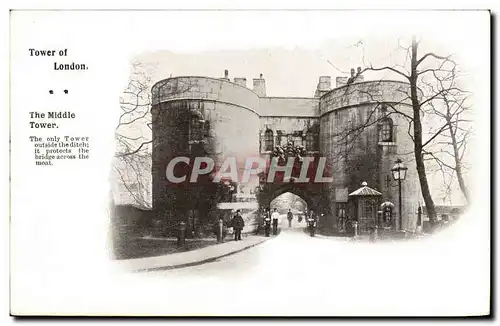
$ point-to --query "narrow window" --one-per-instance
(195, 129)
(386, 130)
(311, 141)
(268, 140)
(297, 141)
(368, 210)
(388, 215)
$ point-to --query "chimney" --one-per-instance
(324, 85)
(352, 72)
(226, 74)
(359, 70)
(259, 86)
(340, 81)
(240, 81)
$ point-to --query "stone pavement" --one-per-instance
(331, 237)
(369, 238)
(190, 258)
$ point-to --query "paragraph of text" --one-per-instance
(49, 150)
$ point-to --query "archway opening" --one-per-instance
(290, 202)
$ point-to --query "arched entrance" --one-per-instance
(290, 202)
(310, 194)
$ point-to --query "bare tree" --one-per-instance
(450, 147)
(132, 164)
(133, 131)
(429, 77)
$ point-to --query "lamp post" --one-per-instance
(399, 174)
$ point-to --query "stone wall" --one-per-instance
(363, 93)
(288, 106)
(236, 119)
(205, 88)
(223, 136)
(349, 137)
(286, 128)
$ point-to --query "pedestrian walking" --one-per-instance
(312, 224)
(238, 223)
(289, 217)
(275, 216)
(267, 223)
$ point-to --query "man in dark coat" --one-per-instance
(312, 223)
(238, 223)
(267, 222)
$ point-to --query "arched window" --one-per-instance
(268, 140)
(311, 143)
(388, 215)
(386, 130)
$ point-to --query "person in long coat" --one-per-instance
(289, 217)
(267, 222)
(238, 223)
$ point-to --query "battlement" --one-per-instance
(349, 91)
(204, 88)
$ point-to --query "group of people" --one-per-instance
(267, 221)
(236, 222)
(270, 219)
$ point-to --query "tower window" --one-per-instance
(268, 140)
(386, 130)
(195, 128)
(311, 141)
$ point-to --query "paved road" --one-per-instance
(279, 276)
(280, 251)
(298, 275)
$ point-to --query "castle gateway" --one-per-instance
(358, 128)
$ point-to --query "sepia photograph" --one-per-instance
(376, 152)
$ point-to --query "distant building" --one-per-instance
(452, 212)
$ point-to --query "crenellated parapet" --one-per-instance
(204, 88)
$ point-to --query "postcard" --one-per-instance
(250, 163)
